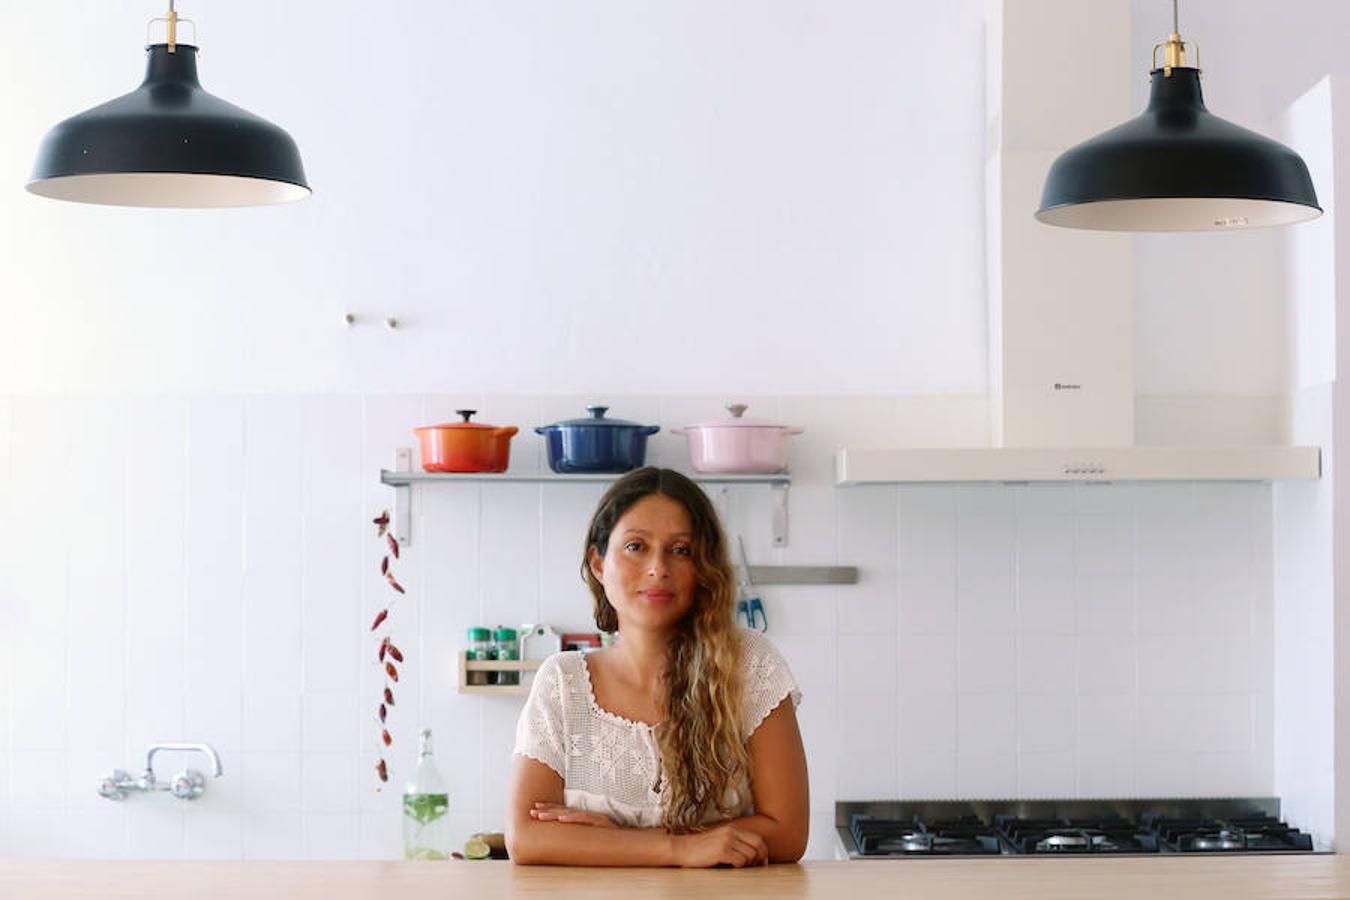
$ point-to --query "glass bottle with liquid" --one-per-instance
(426, 825)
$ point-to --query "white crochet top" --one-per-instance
(612, 765)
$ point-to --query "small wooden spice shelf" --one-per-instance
(494, 665)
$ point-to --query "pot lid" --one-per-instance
(596, 419)
(466, 424)
(737, 419)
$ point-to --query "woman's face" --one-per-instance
(648, 568)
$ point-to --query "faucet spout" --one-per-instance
(216, 770)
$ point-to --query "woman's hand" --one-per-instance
(556, 812)
(722, 845)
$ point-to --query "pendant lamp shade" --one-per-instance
(169, 144)
(1177, 167)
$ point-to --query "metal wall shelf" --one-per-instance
(489, 665)
(403, 479)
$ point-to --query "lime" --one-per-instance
(476, 848)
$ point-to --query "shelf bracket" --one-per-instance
(778, 493)
(403, 498)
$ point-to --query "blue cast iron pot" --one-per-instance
(596, 444)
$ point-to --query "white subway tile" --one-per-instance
(1167, 665)
(1166, 604)
(95, 831)
(1049, 775)
(499, 716)
(1106, 725)
(1167, 722)
(1106, 666)
(329, 722)
(1044, 500)
(1105, 605)
(928, 527)
(986, 723)
(927, 722)
(927, 663)
(868, 528)
(812, 518)
(271, 782)
(1231, 773)
(212, 835)
(272, 835)
(328, 782)
(37, 698)
(927, 604)
(867, 664)
(986, 604)
(986, 662)
(381, 836)
(1046, 723)
(1045, 545)
(1047, 664)
(1222, 723)
(1106, 773)
(1165, 774)
(988, 774)
(986, 544)
(156, 832)
(867, 729)
(1225, 603)
(1046, 604)
(1105, 545)
(1106, 499)
(331, 835)
(927, 776)
(270, 717)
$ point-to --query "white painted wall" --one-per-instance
(590, 196)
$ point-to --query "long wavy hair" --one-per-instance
(700, 740)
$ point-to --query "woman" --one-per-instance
(678, 745)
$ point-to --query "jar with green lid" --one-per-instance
(480, 649)
(506, 647)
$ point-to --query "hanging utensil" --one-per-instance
(749, 608)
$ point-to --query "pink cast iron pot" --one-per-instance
(738, 446)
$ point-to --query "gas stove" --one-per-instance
(955, 828)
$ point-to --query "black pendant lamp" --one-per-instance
(169, 144)
(1177, 167)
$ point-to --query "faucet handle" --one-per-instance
(116, 785)
(188, 785)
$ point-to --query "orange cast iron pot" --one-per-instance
(465, 446)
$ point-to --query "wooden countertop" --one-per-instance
(1283, 877)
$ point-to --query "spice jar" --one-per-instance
(480, 649)
(506, 648)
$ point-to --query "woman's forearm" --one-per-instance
(786, 841)
(564, 844)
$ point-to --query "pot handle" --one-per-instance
(541, 429)
(650, 429)
(508, 431)
(681, 430)
(466, 414)
(793, 429)
(597, 412)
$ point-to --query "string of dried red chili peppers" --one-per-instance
(388, 653)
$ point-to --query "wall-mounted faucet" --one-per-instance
(188, 784)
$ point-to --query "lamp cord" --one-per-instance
(1175, 26)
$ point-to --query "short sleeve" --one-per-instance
(767, 680)
(539, 731)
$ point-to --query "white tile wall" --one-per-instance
(206, 570)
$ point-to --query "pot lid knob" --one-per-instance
(466, 413)
(597, 412)
(737, 409)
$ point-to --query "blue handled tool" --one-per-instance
(749, 608)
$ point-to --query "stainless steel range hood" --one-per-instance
(1061, 302)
